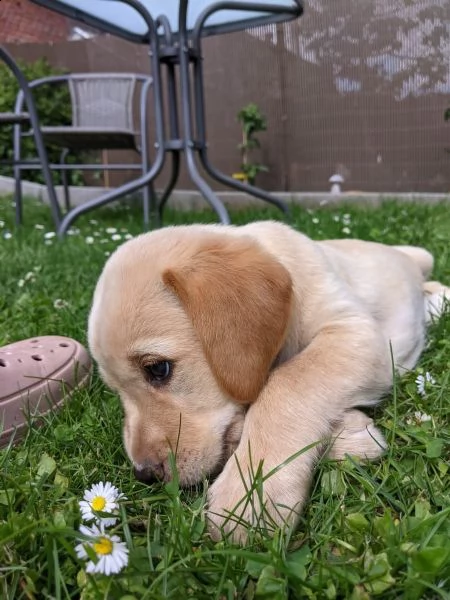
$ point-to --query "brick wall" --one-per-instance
(22, 21)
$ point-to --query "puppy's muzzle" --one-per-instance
(149, 472)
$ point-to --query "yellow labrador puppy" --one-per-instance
(235, 345)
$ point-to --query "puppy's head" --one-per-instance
(186, 323)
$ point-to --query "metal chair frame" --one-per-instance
(141, 146)
(33, 118)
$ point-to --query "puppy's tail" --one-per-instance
(420, 256)
(437, 299)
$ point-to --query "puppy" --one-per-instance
(244, 349)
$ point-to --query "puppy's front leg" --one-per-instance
(344, 366)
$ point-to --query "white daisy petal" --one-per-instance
(423, 382)
(421, 417)
(111, 552)
(80, 551)
(103, 498)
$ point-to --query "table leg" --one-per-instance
(199, 101)
(186, 108)
(175, 170)
(123, 190)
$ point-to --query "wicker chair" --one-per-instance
(103, 118)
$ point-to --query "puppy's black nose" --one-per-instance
(149, 473)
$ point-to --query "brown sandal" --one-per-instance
(36, 376)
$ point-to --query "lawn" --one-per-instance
(369, 531)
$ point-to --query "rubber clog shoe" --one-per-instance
(36, 376)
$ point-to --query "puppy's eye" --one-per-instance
(159, 372)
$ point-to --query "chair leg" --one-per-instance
(175, 171)
(53, 199)
(17, 151)
(18, 194)
(65, 179)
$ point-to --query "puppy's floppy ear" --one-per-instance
(238, 298)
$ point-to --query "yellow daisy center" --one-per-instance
(103, 546)
(98, 503)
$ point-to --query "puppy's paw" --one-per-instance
(242, 503)
(356, 435)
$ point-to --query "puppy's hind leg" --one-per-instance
(437, 297)
(356, 435)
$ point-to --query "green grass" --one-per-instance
(370, 530)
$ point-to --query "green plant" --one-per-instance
(53, 106)
(252, 122)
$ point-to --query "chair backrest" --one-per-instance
(102, 101)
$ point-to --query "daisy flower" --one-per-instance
(102, 497)
(422, 381)
(49, 235)
(418, 417)
(59, 303)
(111, 230)
(421, 417)
(7, 235)
(111, 553)
(116, 237)
(89, 239)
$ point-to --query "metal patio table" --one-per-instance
(173, 30)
